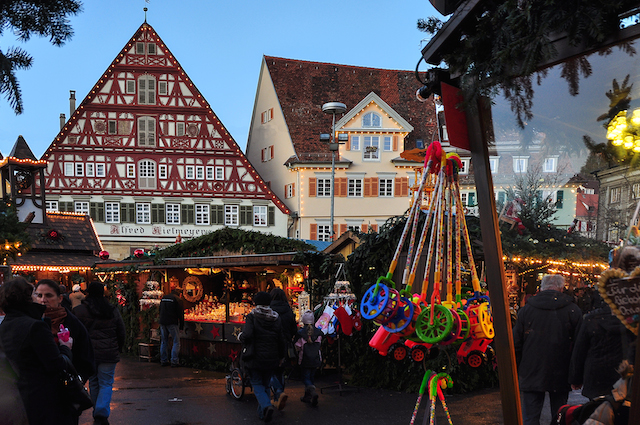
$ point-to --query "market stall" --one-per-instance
(217, 293)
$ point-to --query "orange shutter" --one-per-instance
(313, 232)
(312, 186)
(343, 228)
(395, 143)
(396, 186)
(335, 232)
(365, 228)
(405, 186)
(348, 144)
(341, 187)
(374, 227)
(367, 187)
(286, 195)
(374, 186)
(262, 153)
(293, 189)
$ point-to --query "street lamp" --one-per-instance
(333, 108)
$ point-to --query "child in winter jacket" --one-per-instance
(309, 357)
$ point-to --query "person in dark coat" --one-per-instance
(308, 343)
(601, 345)
(280, 305)
(47, 292)
(262, 332)
(543, 338)
(107, 332)
(35, 355)
(171, 322)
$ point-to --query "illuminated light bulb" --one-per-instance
(628, 144)
(616, 142)
(636, 148)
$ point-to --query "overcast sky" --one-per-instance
(219, 44)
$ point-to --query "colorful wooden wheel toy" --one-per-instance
(374, 301)
(436, 331)
(402, 317)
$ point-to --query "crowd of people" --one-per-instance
(43, 335)
(560, 347)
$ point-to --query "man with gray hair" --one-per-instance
(543, 338)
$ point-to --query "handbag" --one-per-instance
(73, 390)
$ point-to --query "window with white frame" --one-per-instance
(147, 174)
(112, 212)
(354, 188)
(324, 233)
(151, 48)
(172, 213)
(231, 215)
(79, 169)
(81, 207)
(179, 129)
(90, 169)
(211, 173)
(267, 116)
(162, 171)
(52, 206)
(550, 164)
(259, 215)
(147, 90)
(463, 198)
(465, 166)
(354, 227)
(202, 214)
(493, 163)
(267, 153)
(189, 172)
(100, 170)
(146, 131)
(143, 213)
(371, 148)
(289, 190)
(199, 172)
(371, 120)
(219, 173)
(323, 188)
(131, 171)
(385, 188)
(355, 143)
(387, 144)
(615, 195)
(520, 164)
(162, 87)
(69, 169)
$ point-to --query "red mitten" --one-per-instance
(346, 323)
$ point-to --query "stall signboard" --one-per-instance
(623, 296)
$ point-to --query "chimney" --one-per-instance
(72, 102)
(63, 120)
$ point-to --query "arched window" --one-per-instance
(372, 120)
(146, 174)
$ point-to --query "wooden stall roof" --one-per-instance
(226, 261)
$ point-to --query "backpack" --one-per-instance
(579, 413)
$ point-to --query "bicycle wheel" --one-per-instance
(237, 384)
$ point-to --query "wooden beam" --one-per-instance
(480, 129)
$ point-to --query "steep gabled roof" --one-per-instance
(303, 87)
(21, 150)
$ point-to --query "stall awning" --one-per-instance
(227, 261)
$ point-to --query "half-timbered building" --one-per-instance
(145, 155)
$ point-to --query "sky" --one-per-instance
(220, 45)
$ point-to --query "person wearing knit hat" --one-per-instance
(263, 350)
(309, 356)
(76, 296)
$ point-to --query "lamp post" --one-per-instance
(333, 108)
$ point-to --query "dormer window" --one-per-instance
(371, 120)
(140, 48)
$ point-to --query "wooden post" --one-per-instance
(480, 128)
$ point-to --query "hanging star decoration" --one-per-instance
(195, 349)
(236, 331)
(215, 331)
(212, 348)
(234, 355)
(198, 328)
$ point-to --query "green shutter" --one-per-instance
(271, 216)
(96, 211)
(127, 213)
(217, 214)
(157, 213)
(187, 214)
(471, 199)
(559, 199)
(246, 215)
(66, 206)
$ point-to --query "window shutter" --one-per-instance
(96, 211)
(395, 143)
(471, 199)
(342, 186)
(347, 145)
(374, 227)
(312, 186)
(367, 187)
(313, 232)
(217, 214)
(397, 186)
(262, 153)
(559, 199)
(343, 228)
(286, 192)
(365, 228)
(335, 232)
(157, 213)
(271, 216)
(246, 215)
(127, 213)
(374, 186)
(293, 190)
(187, 214)
(405, 186)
